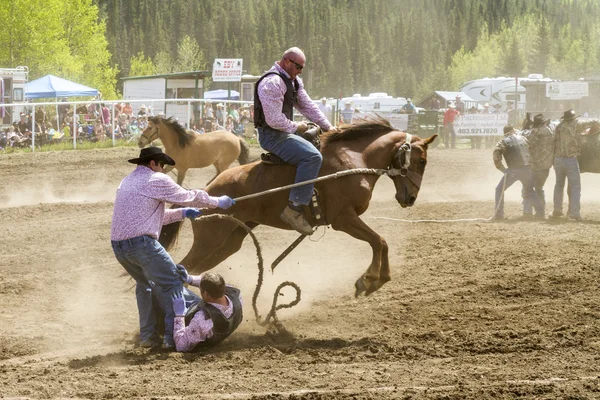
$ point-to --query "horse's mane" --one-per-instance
(184, 136)
(371, 125)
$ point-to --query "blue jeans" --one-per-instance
(511, 176)
(567, 168)
(539, 180)
(153, 269)
(190, 298)
(297, 151)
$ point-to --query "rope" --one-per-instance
(451, 220)
(274, 306)
(355, 171)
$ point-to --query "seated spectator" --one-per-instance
(99, 133)
(229, 124)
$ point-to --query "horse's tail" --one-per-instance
(244, 157)
(169, 234)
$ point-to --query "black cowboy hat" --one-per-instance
(569, 115)
(508, 129)
(539, 120)
(152, 153)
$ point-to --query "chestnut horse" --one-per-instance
(192, 150)
(372, 143)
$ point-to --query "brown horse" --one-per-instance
(367, 144)
(192, 150)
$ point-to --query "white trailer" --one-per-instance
(499, 90)
(14, 85)
(374, 102)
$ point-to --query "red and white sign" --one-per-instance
(227, 70)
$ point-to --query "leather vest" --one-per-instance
(516, 152)
(222, 327)
(289, 99)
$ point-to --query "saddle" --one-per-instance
(312, 134)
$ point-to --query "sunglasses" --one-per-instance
(298, 66)
(161, 163)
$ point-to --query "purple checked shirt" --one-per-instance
(140, 204)
(201, 326)
(271, 91)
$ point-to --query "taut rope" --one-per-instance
(356, 171)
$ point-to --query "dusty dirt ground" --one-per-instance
(475, 310)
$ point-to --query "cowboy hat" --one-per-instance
(539, 120)
(569, 115)
(152, 153)
(508, 129)
(451, 105)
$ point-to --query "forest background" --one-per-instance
(403, 47)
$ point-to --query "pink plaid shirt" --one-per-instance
(271, 91)
(200, 327)
(140, 204)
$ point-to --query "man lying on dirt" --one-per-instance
(209, 319)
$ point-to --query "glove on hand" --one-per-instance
(225, 202)
(183, 274)
(189, 212)
(179, 307)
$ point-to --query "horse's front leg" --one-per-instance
(181, 175)
(375, 276)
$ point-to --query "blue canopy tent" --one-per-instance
(53, 86)
(221, 94)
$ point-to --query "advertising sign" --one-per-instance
(227, 70)
(567, 90)
(480, 124)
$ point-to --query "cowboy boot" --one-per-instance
(294, 216)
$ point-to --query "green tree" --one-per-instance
(189, 56)
(141, 66)
(513, 61)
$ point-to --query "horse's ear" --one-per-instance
(430, 139)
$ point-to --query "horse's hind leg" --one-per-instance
(214, 242)
(349, 222)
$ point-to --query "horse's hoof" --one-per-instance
(372, 288)
(360, 287)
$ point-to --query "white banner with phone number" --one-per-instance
(480, 124)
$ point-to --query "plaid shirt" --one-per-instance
(567, 137)
(541, 147)
(500, 149)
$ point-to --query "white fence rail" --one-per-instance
(184, 110)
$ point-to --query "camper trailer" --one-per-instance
(499, 90)
(374, 102)
(14, 84)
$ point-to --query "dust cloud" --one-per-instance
(19, 196)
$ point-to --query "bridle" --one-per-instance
(150, 139)
(404, 150)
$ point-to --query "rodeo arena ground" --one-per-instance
(476, 309)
